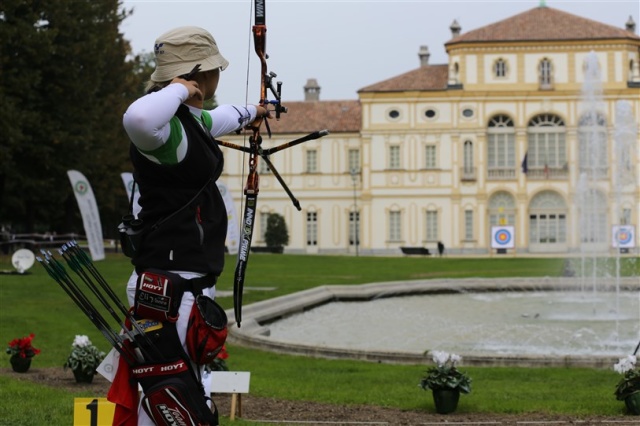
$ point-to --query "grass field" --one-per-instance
(34, 303)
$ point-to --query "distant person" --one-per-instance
(440, 248)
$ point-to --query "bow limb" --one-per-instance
(252, 186)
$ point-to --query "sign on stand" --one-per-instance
(93, 412)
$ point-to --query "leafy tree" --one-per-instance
(66, 81)
(276, 234)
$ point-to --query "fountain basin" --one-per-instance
(261, 326)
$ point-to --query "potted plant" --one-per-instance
(84, 359)
(445, 381)
(219, 363)
(628, 388)
(22, 351)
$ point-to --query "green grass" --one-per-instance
(35, 303)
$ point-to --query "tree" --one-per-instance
(276, 234)
(66, 82)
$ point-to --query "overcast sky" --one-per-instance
(345, 45)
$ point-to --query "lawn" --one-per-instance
(34, 303)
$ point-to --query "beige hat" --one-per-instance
(179, 50)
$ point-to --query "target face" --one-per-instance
(502, 237)
(623, 236)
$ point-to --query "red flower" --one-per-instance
(223, 354)
(22, 347)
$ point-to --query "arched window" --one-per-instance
(502, 209)
(501, 148)
(545, 74)
(546, 147)
(547, 222)
(592, 145)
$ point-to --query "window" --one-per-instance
(547, 229)
(312, 228)
(545, 72)
(394, 114)
(430, 113)
(312, 161)
(468, 171)
(430, 156)
(502, 209)
(395, 226)
(467, 113)
(394, 157)
(625, 219)
(354, 228)
(263, 225)
(546, 147)
(500, 68)
(432, 226)
(547, 219)
(468, 225)
(354, 160)
(592, 145)
(592, 216)
(501, 148)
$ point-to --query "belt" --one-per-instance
(196, 285)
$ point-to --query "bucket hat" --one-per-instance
(177, 51)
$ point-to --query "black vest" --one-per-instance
(193, 239)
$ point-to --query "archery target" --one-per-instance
(22, 260)
(623, 236)
(502, 237)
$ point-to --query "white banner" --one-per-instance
(89, 211)
(502, 237)
(232, 218)
(624, 236)
(127, 179)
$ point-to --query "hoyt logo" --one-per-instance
(171, 416)
(153, 283)
(159, 369)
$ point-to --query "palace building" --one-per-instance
(527, 137)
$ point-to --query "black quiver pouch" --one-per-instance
(173, 394)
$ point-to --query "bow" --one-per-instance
(256, 152)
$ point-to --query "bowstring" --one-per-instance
(246, 104)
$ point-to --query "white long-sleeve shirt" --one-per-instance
(153, 128)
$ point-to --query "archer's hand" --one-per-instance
(261, 114)
(192, 87)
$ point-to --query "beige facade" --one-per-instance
(438, 151)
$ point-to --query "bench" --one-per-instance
(415, 250)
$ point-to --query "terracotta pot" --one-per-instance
(446, 400)
(19, 364)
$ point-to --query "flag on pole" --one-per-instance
(525, 164)
(233, 239)
(89, 211)
(127, 179)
